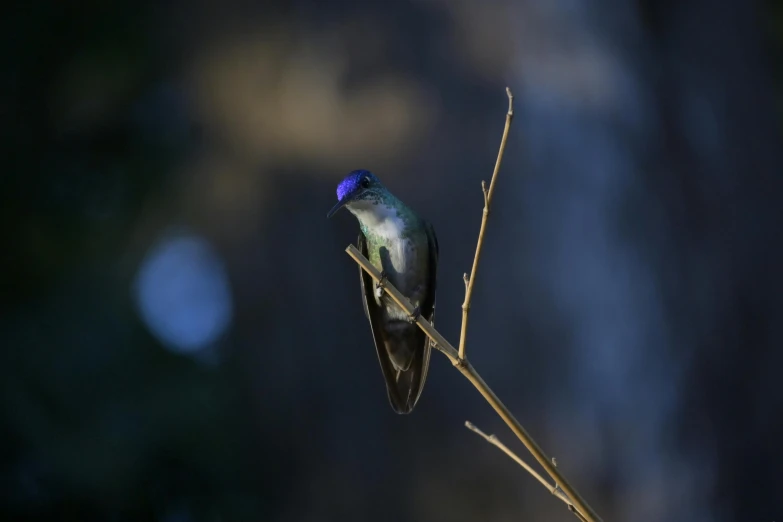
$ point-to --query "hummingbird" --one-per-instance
(404, 248)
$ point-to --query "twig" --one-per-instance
(555, 490)
(441, 344)
(487, 201)
(469, 282)
(457, 357)
(492, 439)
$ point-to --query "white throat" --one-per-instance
(378, 219)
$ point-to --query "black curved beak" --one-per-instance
(336, 207)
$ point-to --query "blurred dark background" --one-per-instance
(182, 334)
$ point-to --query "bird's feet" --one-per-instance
(415, 315)
(379, 284)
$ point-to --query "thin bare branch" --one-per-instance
(562, 488)
(487, 202)
(492, 439)
(441, 344)
(554, 489)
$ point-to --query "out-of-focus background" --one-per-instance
(182, 335)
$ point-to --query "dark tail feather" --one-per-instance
(407, 389)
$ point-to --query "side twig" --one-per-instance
(441, 344)
(487, 202)
(555, 490)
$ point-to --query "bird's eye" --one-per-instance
(365, 182)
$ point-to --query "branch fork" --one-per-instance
(562, 489)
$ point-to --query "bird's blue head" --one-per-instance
(358, 185)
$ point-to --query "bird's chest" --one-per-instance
(396, 248)
(404, 261)
(396, 257)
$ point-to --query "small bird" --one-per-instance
(404, 248)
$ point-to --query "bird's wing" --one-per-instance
(428, 312)
(373, 313)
